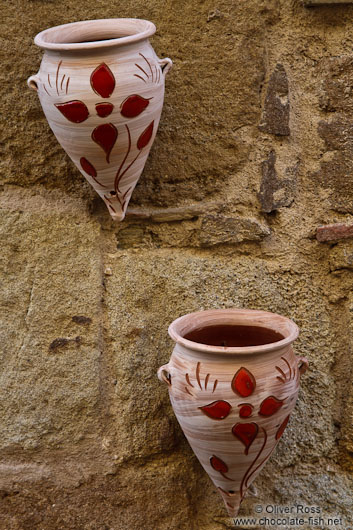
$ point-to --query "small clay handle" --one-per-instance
(166, 65)
(303, 365)
(33, 81)
(164, 375)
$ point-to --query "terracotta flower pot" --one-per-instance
(233, 382)
(101, 87)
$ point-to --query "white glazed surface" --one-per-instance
(199, 378)
(65, 76)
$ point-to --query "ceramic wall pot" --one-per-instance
(101, 87)
(233, 382)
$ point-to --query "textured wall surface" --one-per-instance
(254, 152)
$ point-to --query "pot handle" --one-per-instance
(164, 374)
(33, 81)
(165, 64)
(303, 364)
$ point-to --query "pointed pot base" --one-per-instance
(232, 502)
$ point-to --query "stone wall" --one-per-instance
(253, 154)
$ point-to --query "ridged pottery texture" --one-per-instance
(233, 403)
(101, 87)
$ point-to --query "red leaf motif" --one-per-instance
(87, 167)
(145, 136)
(245, 410)
(74, 111)
(103, 81)
(269, 406)
(218, 464)
(282, 427)
(246, 433)
(218, 410)
(105, 136)
(104, 109)
(243, 382)
(133, 106)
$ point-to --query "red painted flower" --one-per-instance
(88, 167)
(103, 81)
(245, 410)
(145, 137)
(104, 109)
(133, 106)
(269, 406)
(105, 136)
(74, 111)
(246, 433)
(218, 410)
(218, 464)
(243, 382)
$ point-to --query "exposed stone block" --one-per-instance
(188, 227)
(217, 229)
(50, 267)
(179, 213)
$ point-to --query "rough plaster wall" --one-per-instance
(254, 151)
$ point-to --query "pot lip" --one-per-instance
(143, 29)
(256, 315)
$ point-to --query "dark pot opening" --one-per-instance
(237, 336)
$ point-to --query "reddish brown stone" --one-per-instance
(334, 232)
(275, 118)
(336, 84)
(275, 192)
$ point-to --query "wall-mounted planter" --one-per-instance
(233, 382)
(101, 87)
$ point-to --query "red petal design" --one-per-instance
(218, 410)
(105, 135)
(103, 81)
(104, 109)
(246, 433)
(218, 464)
(269, 406)
(243, 382)
(133, 106)
(145, 136)
(75, 111)
(282, 427)
(87, 167)
(245, 410)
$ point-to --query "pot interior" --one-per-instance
(93, 36)
(233, 335)
(97, 38)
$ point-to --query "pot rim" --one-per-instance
(253, 317)
(65, 36)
